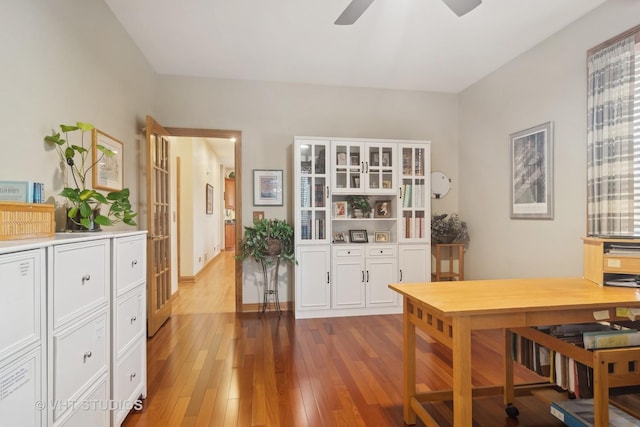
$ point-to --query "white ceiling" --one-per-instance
(396, 44)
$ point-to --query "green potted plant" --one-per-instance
(268, 238)
(448, 230)
(359, 203)
(84, 207)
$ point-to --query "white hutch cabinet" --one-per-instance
(336, 277)
(71, 328)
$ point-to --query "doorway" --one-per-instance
(228, 136)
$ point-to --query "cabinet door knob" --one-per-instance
(367, 276)
(87, 355)
(328, 281)
(327, 191)
(134, 318)
(401, 275)
(86, 278)
(134, 263)
(132, 376)
(362, 276)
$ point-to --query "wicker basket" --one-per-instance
(26, 220)
(274, 247)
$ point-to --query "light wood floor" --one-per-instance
(208, 366)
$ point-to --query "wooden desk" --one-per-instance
(449, 311)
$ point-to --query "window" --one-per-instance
(613, 137)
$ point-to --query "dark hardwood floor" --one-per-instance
(207, 368)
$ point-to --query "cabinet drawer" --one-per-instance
(81, 279)
(382, 251)
(129, 375)
(130, 262)
(348, 252)
(79, 357)
(20, 387)
(618, 264)
(22, 290)
(129, 318)
(91, 409)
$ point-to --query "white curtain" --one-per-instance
(610, 176)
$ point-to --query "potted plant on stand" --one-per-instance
(448, 230)
(266, 241)
(84, 204)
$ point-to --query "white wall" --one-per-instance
(546, 83)
(271, 114)
(65, 61)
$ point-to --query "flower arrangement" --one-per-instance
(448, 230)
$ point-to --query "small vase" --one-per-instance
(357, 213)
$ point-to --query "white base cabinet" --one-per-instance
(414, 262)
(313, 289)
(72, 329)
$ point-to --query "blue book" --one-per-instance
(579, 413)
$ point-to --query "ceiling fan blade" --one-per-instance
(462, 7)
(353, 12)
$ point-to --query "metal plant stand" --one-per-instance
(270, 287)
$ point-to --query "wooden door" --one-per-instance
(158, 225)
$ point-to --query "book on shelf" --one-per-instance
(579, 413)
(611, 338)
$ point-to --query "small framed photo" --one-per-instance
(340, 209)
(382, 209)
(209, 199)
(108, 156)
(267, 187)
(382, 236)
(258, 215)
(358, 236)
(339, 238)
(532, 173)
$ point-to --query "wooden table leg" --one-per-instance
(508, 367)
(461, 348)
(409, 364)
(600, 392)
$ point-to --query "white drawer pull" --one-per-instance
(134, 263)
(132, 376)
(86, 278)
(87, 355)
(134, 318)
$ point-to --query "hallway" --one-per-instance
(214, 292)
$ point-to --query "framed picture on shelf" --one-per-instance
(209, 199)
(267, 187)
(382, 209)
(339, 237)
(340, 209)
(341, 158)
(358, 236)
(382, 236)
(532, 173)
(355, 159)
(355, 182)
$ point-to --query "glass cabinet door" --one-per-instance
(379, 168)
(348, 166)
(415, 189)
(311, 191)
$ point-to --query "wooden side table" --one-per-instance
(447, 251)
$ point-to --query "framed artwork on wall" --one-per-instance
(209, 199)
(108, 154)
(532, 173)
(267, 187)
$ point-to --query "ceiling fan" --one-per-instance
(357, 8)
